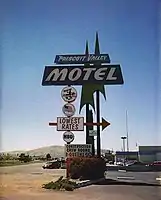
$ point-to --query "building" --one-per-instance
(145, 154)
(130, 155)
(149, 154)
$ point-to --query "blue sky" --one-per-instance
(33, 32)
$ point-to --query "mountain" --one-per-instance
(54, 151)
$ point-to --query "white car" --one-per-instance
(120, 163)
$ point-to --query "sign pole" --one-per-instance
(69, 95)
(67, 165)
(87, 128)
(91, 128)
(87, 105)
(89, 139)
(98, 121)
(97, 52)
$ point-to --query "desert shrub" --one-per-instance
(61, 184)
(24, 158)
(87, 168)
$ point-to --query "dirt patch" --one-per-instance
(19, 183)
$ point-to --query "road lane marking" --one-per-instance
(127, 178)
(121, 170)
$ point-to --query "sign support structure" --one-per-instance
(89, 139)
(98, 121)
(92, 76)
(87, 105)
(68, 93)
(97, 52)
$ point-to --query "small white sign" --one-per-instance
(68, 109)
(68, 137)
(92, 133)
(78, 150)
(69, 94)
(70, 124)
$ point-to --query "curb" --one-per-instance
(88, 183)
(127, 182)
(103, 181)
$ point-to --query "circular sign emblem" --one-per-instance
(68, 137)
(69, 94)
(68, 109)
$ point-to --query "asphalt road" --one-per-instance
(94, 192)
(102, 192)
(145, 177)
(34, 168)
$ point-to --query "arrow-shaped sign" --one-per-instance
(104, 124)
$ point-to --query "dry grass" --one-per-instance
(19, 183)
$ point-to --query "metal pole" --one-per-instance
(67, 165)
(124, 150)
(127, 132)
(98, 127)
(97, 52)
(123, 142)
(124, 145)
(87, 129)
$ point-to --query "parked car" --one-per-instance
(130, 162)
(55, 164)
(111, 162)
(156, 165)
(119, 163)
(136, 163)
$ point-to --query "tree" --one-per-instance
(24, 158)
(48, 156)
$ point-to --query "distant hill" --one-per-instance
(55, 151)
(12, 152)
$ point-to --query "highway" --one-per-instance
(25, 181)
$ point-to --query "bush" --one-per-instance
(68, 187)
(87, 168)
(61, 184)
(24, 158)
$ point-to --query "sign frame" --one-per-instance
(71, 134)
(94, 133)
(82, 59)
(82, 125)
(90, 145)
(109, 74)
(62, 96)
(69, 104)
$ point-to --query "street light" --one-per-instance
(123, 142)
